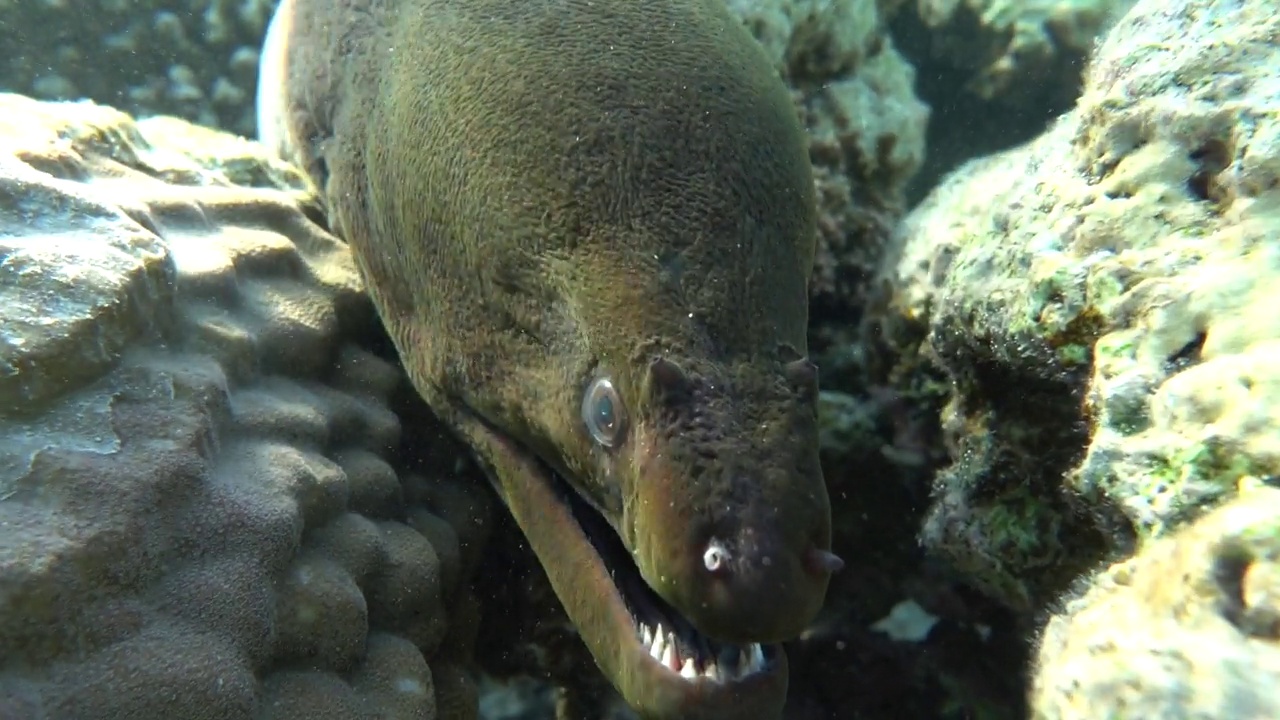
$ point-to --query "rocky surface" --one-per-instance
(1011, 45)
(867, 129)
(1102, 301)
(995, 72)
(196, 59)
(206, 507)
(1189, 628)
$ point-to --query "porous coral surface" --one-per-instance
(866, 126)
(1189, 628)
(1103, 300)
(203, 510)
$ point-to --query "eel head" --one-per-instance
(679, 510)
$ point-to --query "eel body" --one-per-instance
(588, 226)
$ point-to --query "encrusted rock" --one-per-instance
(1011, 44)
(1190, 628)
(866, 127)
(1103, 300)
(203, 508)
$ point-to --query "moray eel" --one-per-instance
(588, 226)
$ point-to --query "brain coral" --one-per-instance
(204, 510)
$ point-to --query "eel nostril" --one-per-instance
(716, 557)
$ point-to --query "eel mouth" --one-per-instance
(671, 642)
(661, 665)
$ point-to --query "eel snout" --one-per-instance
(753, 583)
(734, 510)
(752, 568)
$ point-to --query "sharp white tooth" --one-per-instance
(687, 670)
(757, 656)
(659, 643)
(646, 635)
(712, 671)
(744, 662)
(669, 657)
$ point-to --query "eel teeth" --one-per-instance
(663, 648)
(671, 657)
(752, 658)
(657, 644)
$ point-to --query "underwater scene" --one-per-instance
(639, 359)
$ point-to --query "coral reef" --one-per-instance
(1180, 140)
(867, 129)
(1189, 628)
(205, 506)
(195, 59)
(1009, 45)
(1101, 300)
(995, 72)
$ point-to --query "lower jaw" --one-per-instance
(658, 693)
(582, 582)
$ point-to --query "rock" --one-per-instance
(1102, 300)
(1010, 44)
(1189, 628)
(204, 505)
(812, 39)
(866, 125)
(1074, 287)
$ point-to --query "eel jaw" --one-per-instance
(638, 641)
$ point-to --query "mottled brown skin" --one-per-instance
(542, 191)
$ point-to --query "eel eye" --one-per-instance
(603, 413)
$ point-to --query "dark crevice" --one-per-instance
(1187, 355)
(1229, 569)
(1211, 158)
